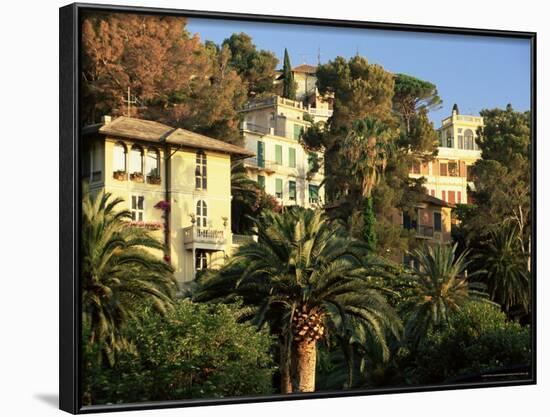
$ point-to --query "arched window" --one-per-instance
(136, 160)
(469, 139)
(119, 157)
(200, 171)
(202, 214)
(152, 167)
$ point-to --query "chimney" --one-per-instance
(106, 119)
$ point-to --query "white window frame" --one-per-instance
(201, 216)
(136, 210)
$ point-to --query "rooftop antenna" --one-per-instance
(130, 101)
(304, 56)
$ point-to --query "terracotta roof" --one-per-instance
(436, 201)
(129, 127)
(147, 130)
(195, 140)
(309, 69)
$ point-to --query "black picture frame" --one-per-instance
(70, 198)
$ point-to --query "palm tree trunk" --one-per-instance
(306, 358)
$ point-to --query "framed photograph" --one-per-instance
(262, 208)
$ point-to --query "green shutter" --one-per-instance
(292, 157)
(297, 132)
(261, 181)
(292, 190)
(313, 193)
(279, 154)
(279, 187)
(311, 161)
(261, 154)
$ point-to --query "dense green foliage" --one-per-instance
(118, 270)
(478, 339)
(196, 351)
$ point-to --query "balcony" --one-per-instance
(207, 238)
(424, 231)
(261, 165)
(319, 112)
(239, 240)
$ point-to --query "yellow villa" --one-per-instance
(175, 182)
(448, 176)
(431, 224)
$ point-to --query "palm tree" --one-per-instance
(366, 150)
(119, 269)
(439, 289)
(303, 276)
(504, 268)
(244, 198)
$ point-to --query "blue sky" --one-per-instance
(475, 72)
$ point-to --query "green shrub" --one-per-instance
(480, 338)
(197, 351)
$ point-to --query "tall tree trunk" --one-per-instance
(305, 364)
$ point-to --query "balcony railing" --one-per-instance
(261, 164)
(243, 239)
(425, 231)
(195, 234)
(319, 112)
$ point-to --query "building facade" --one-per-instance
(174, 182)
(271, 129)
(431, 225)
(448, 176)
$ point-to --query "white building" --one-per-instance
(271, 129)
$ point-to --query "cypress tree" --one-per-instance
(289, 87)
(369, 223)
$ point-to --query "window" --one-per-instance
(469, 141)
(153, 163)
(459, 197)
(408, 222)
(443, 197)
(201, 259)
(119, 157)
(261, 154)
(313, 193)
(202, 214)
(312, 161)
(297, 132)
(136, 160)
(443, 169)
(452, 168)
(460, 142)
(292, 157)
(200, 171)
(450, 143)
(278, 188)
(292, 190)
(261, 181)
(279, 154)
(469, 173)
(96, 161)
(138, 204)
(415, 167)
(451, 197)
(437, 222)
